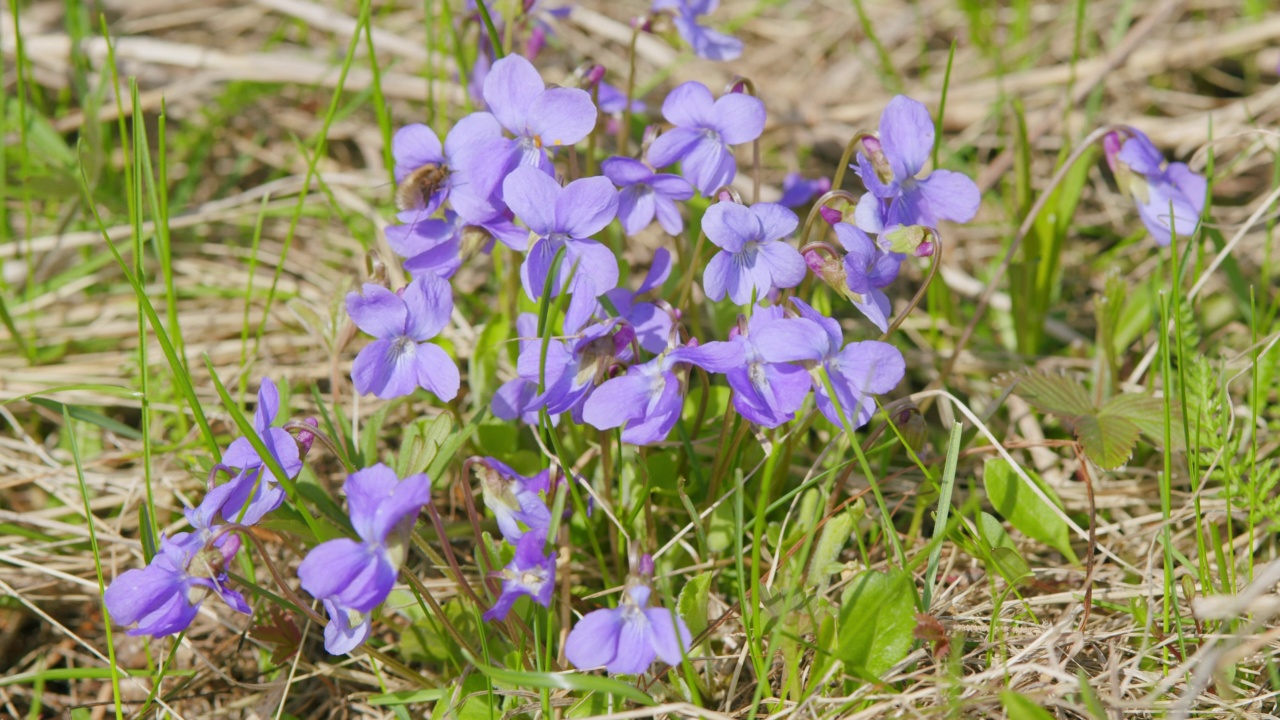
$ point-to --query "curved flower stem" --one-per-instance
(686, 291)
(936, 239)
(624, 128)
(453, 559)
(816, 211)
(213, 474)
(1027, 223)
(849, 149)
(324, 439)
(474, 514)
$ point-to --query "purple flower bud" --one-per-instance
(646, 565)
(737, 86)
(831, 215)
(306, 439)
(594, 75)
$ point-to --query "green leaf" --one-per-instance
(1057, 394)
(1010, 564)
(877, 615)
(89, 416)
(407, 697)
(482, 369)
(1090, 696)
(1032, 516)
(1108, 440)
(1147, 412)
(1021, 707)
(371, 435)
(835, 535)
(564, 681)
(692, 604)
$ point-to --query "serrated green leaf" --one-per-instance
(692, 604)
(1033, 517)
(1051, 393)
(1147, 412)
(877, 615)
(1021, 707)
(1108, 440)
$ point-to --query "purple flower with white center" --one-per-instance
(515, 398)
(531, 572)
(705, 129)
(255, 491)
(647, 400)
(565, 217)
(572, 370)
(858, 371)
(540, 118)
(797, 191)
(765, 393)
(1170, 198)
(399, 360)
(353, 578)
(646, 194)
(626, 639)
(752, 260)
(425, 170)
(706, 43)
(889, 166)
(652, 325)
(164, 597)
(868, 269)
(514, 499)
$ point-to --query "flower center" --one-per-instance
(403, 347)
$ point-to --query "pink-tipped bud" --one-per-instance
(737, 86)
(537, 39)
(646, 565)
(925, 249)
(880, 163)
(307, 439)
(814, 260)
(831, 215)
(1111, 145)
(594, 75)
(230, 546)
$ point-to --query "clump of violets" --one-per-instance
(400, 360)
(353, 577)
(890, 167)
(1169, 197)
(706, 129)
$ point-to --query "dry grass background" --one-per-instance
(246, 84)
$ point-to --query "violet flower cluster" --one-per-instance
(164, 597)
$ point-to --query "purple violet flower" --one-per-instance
(164, 597)
(268, 494)
(705, 129)
(426, 171)
(353, 578)
(515, 398)
(889, 166)
(858, 371)
(652, 324)
(399, 360)
(797, 191)
(531, 572)
(752, 255)
(647, 400)
(514, 499)
(706, 43)
(540, 118)
(1170, 198)
(626, 639)
(765, 393)
(433, 245)
(565, 217)
(868, 269)
(613, 100)
(574, 369)
(645, 194)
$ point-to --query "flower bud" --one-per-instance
(875, 154)
(831, 215)
(533, 46)
(907, 240)
(307, 439)
(646, 565)
(594, 75)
